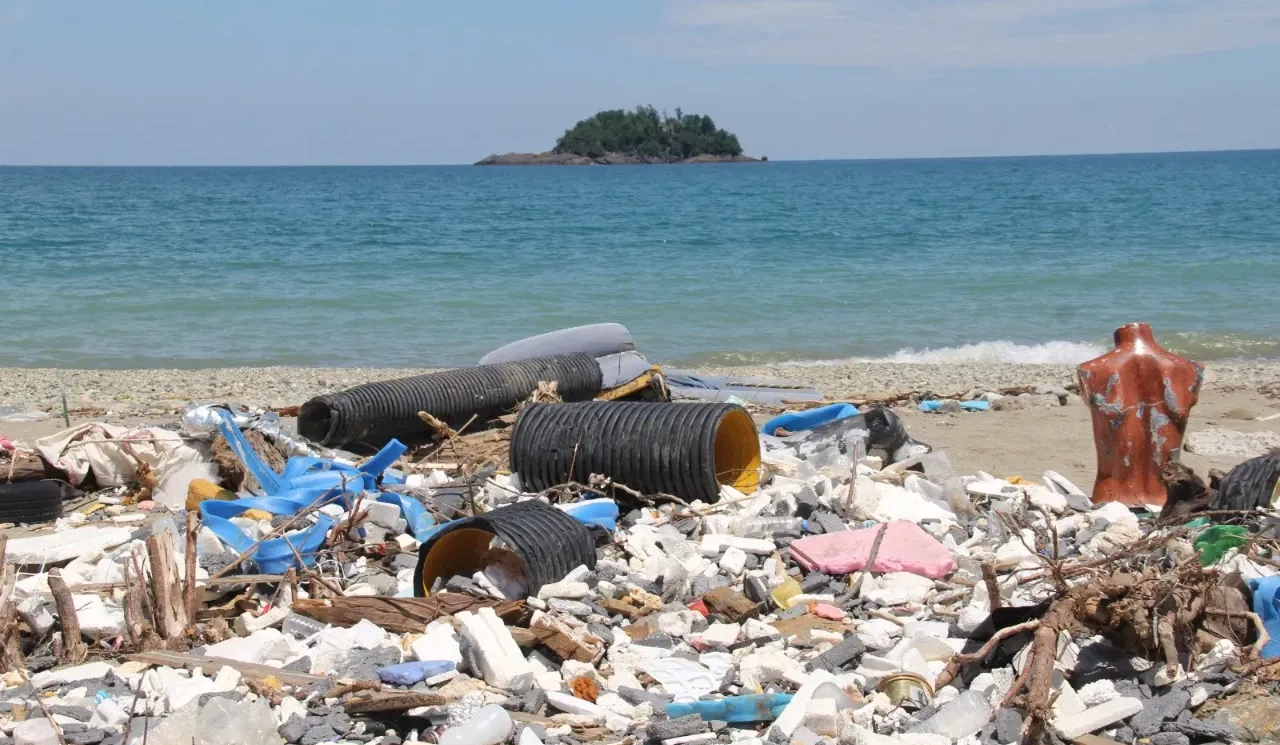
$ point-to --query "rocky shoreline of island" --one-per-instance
(608, 159)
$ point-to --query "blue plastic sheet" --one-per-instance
(797, 421)
(1267, 606)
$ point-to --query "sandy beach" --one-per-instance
(1004, 443)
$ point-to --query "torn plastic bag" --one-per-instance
(1250, 485)
(879, 429)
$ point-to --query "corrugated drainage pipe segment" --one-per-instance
(685, 449)
(548, 541)
(372, 414)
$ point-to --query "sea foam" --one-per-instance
(1052, 352)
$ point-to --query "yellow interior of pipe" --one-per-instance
(457, 552)
(738, 452)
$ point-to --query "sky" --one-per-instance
(284, 82)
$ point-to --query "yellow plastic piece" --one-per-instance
(255, 515)
(199, 490)
(785, 593)
(738, 452)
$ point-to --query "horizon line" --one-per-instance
(770, 160)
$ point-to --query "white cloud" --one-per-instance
(964, 33)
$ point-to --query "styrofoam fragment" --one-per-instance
(383, 514)
(501, 663)
(1098, 692)
(714, 545)
(1097, 717)
(56, 548)
(438, 643)
(564, 589)
(87, 671)
(721, 634)
(734, 561)
(247, 623)
(794, 714)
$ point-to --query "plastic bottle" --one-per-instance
(301, 627)
(490, 726)
(755, 707)
(768, 527)
(957, 720)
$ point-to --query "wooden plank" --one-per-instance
(230, 581)
(405, 615)
(211, 666)
(382, 702)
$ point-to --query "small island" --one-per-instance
(643, 136)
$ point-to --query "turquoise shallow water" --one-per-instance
(1031, 259)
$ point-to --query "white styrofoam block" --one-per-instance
(439, 643)
(383, 514)
(564, 589)
(87, 671)
(501, 663)
(1097, 717)
(714, 545)
(794, 714)
(257, 648)
(247, 623)
(56, 548)
(734, 561)
(573, 705)
(721, 634)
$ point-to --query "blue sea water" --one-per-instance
(1032, 259)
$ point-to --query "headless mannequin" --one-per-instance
(1140, 396)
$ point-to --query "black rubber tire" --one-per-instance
(33, 501)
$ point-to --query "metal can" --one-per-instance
(908, 690)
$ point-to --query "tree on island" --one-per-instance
(646, 133)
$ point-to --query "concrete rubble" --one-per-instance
(851, 599)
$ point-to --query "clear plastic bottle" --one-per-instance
(490, 726)
(768, 527)
(301, 627)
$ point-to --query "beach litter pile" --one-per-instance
(595, 563)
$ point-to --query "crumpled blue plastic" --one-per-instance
(798, 421)
(304, 482)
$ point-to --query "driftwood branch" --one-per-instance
(958, 662)
(73, 650)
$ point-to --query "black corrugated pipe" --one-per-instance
(370, 415)
(1249, 485)
(548, 542)
(685, 449)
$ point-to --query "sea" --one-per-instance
(1031, 259)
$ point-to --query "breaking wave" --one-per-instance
(1052, 352)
